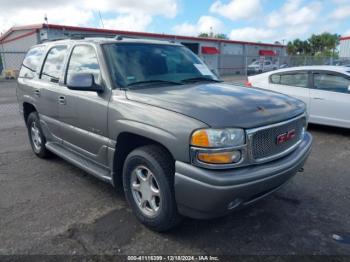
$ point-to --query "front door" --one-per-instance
(83, 114)
(330, 99)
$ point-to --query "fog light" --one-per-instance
(220, 157)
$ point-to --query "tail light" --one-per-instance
(248, 84)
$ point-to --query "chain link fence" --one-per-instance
(238, 65)
(10, 63)
(223, 65)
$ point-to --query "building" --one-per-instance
(344, 48)
(223, 56)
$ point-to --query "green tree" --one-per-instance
(206, 35)
(219, 36)
(298, 47)
(324, 44)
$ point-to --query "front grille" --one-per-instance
(264, 141)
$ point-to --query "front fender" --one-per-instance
(168, 128)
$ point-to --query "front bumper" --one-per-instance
(203, 193)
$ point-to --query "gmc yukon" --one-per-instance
(150, 117)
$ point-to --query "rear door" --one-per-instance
(48, 88)
(330, 99)
(83, 114)
(295, 84)
(28, 77)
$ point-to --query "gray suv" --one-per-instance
(150, 117)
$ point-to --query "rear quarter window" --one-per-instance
(53, 65)
(31, 62)
(275, 79)
(294, 79)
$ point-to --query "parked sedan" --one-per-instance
(324, 89)
(259, 67)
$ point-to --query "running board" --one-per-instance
(81, 162)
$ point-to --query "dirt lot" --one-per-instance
(52, 207)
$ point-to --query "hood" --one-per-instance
(221, 105)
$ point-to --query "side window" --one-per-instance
(295, 79)
(275, 79)
(54, 64)
(84, 60)
(31, 62)
(331, 82)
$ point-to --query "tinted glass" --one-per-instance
(132, 63)
(84, 60)
(54, 64)
(275, 79)
(31, 62)
(331, 82)
(295, 79)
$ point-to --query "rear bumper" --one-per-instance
(202, 193)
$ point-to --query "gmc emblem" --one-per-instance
(282, 138)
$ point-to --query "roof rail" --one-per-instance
(79, 36)
(82, 36)
(121, 37)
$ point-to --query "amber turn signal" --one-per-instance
(219, 157)
(200, 138)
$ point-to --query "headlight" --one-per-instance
(218, 146)
(218, 138)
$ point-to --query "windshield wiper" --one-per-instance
(154, 81)
(200, 78)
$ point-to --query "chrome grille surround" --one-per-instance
(262, 140)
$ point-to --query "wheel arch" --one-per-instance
(27, 109)
(126, 142)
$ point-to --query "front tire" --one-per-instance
(36, 136)
(148, 181)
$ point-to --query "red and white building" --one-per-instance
(225, 56)
(344, 47)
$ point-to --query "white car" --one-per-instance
(324, 89)
(260, 67)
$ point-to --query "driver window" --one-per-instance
(331, 82)
(84, 60)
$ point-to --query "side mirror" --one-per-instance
(83, 82)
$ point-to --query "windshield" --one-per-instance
(138, 63)
(255, 63)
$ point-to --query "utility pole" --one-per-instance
(47, 26)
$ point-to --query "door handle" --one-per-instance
(318, 98)
(62, 100)
(37, 92)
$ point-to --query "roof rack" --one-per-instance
(82, 36)
(79, 36)
(121, 37)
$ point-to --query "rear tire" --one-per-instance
(36, 136)
(148, 181)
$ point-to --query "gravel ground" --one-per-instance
(52, 207)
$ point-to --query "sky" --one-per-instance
(248, 20)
